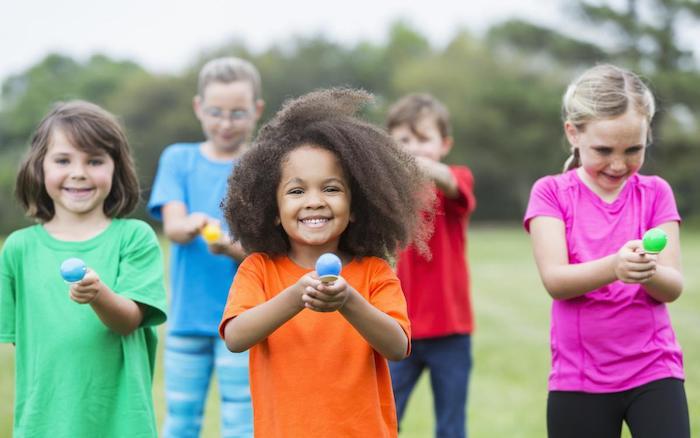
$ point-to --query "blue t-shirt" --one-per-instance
(199, 280)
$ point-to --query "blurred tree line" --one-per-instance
(503, 90)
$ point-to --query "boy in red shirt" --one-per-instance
(436, 289)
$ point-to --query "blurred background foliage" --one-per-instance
(503, 90)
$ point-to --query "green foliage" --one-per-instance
(503, 92)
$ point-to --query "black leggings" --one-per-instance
(658, 409)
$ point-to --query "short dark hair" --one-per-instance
(391, 199)
(413, 108)
(89, 128)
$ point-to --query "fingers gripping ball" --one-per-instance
(328, 267)
(654, 240)
(211, 233)
(73, 270)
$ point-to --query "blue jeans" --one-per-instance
(449, 362)
(189, 363)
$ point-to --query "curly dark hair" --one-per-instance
(391, 199)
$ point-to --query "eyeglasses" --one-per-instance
(220, 115)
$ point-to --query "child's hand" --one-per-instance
(86, 290)
(633, 265)
(326, 297)
(194, 223)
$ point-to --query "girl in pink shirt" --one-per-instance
(615, 356)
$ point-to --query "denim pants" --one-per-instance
(189, 364)
(449, 361)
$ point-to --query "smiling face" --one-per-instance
(228, 113)
(610, 150)
(313, 201)
(77, 182)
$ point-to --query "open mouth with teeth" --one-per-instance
(314, 222)
(78, 192)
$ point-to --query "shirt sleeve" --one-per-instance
(386, 295)
(664, 208)
(247, 290)
(7, 296)
(141, 276)
(169, 183)
(544, 201)
(465, 203)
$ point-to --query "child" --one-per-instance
(331, 183)
(614, 354)
(187, 193)
(436, 288)
(85, 351)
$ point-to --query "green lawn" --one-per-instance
(511, 354)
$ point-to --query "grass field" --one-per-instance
(511, 352)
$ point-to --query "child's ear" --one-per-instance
(277, 220)
(259, 108)
(197, 106)
(447, 143)
(571, 133)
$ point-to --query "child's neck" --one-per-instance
(217, 154)
(76, 228)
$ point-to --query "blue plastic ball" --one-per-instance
(328, 267)
(73, 270)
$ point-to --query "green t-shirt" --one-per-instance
(74, 376)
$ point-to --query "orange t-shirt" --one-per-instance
(316, 376)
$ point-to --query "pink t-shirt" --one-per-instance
(616, 337)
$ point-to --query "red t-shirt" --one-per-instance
(437, 290)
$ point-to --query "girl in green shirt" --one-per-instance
(84, 351)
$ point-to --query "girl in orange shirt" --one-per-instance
(321, 180)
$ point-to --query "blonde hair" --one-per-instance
(227, 70)
(604, 92)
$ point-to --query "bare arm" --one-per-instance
(118, 313)
(563, 280)
(256, 324)
(179, 225)
(666, 285)
(380, 330)
(441, 175)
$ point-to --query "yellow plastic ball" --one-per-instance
(211, 233)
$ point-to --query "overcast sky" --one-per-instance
(166, 35)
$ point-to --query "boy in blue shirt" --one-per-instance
(189, 187)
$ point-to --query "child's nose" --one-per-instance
(314, 199)
(77, 170)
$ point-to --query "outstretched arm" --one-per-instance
(380, 330)
(120, 314)
(441, 175)
(257, 323)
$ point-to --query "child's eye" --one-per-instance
(634, 150)
(331, 189)
(295, 191)
(96, 162)
(61, 161)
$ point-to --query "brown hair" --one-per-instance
(605, 92)
(413, 108)
(89, 128)
(388, 190)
